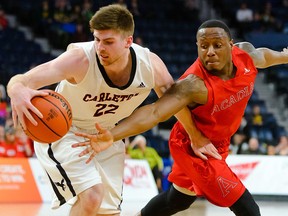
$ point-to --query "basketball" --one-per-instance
(56, 121)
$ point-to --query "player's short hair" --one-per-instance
(115, 17)
(216, 23)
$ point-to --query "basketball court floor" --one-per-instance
(199, 208)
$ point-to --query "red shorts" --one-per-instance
(212, 179)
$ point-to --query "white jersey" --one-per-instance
(96, 99)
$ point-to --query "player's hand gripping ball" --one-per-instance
(56, 121)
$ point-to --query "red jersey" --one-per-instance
(218, 120)
(8, 150)
(16, 149)
(221, 116)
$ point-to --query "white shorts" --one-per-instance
(69, 175)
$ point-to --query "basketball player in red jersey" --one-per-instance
(216, 88)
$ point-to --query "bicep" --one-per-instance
(72, 65)
(168, 105)
(182, 93)
(257, 55)
(66, 66)
(162, 78)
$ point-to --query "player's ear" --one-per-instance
(231, 42)
(129, 41)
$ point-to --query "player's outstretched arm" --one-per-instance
(264, 57)
(200, 144)
(182, 93)
(143, 118)
(140, 120)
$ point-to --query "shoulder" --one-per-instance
(83, 45)
(161, 74)
(140, 52)
(81, 49)
(191, 88)
(193, 83)
(74, 57)
(248, 48)
(254, 53)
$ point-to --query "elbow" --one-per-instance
(159, 116)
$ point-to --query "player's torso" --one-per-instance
(227, 99)
(97, 99)
(220, 117)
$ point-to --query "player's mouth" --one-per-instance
(103, 57)
(212, 63)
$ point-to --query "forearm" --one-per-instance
(141, 120)
(25, 80)
(148, 116)
(15, 82)
(185, 118)
(273, 57)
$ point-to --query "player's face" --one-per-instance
(111, 46)
(214, 49)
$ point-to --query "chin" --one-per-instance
(104, 63)
(212, 70)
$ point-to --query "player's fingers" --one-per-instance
(99, 128)
(80, 144)
(36, 111)
(212, 150)
(85, 135)
(216, 155)
(88, 160)
(202, 156)
(92, 153)
(91, 157)
(22, 122)
(80, 134)
(41, 93)
(15, 119)
(84, 152)
(29, 116)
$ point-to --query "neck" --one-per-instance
(119, 72)
(228, 72)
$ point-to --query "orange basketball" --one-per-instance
(56, 121)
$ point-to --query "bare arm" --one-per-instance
(163, 81)
(162, 78)
(181, 93)
(71, 65)
(264, 57)
(190, 90)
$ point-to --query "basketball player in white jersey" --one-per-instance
(104, 81)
